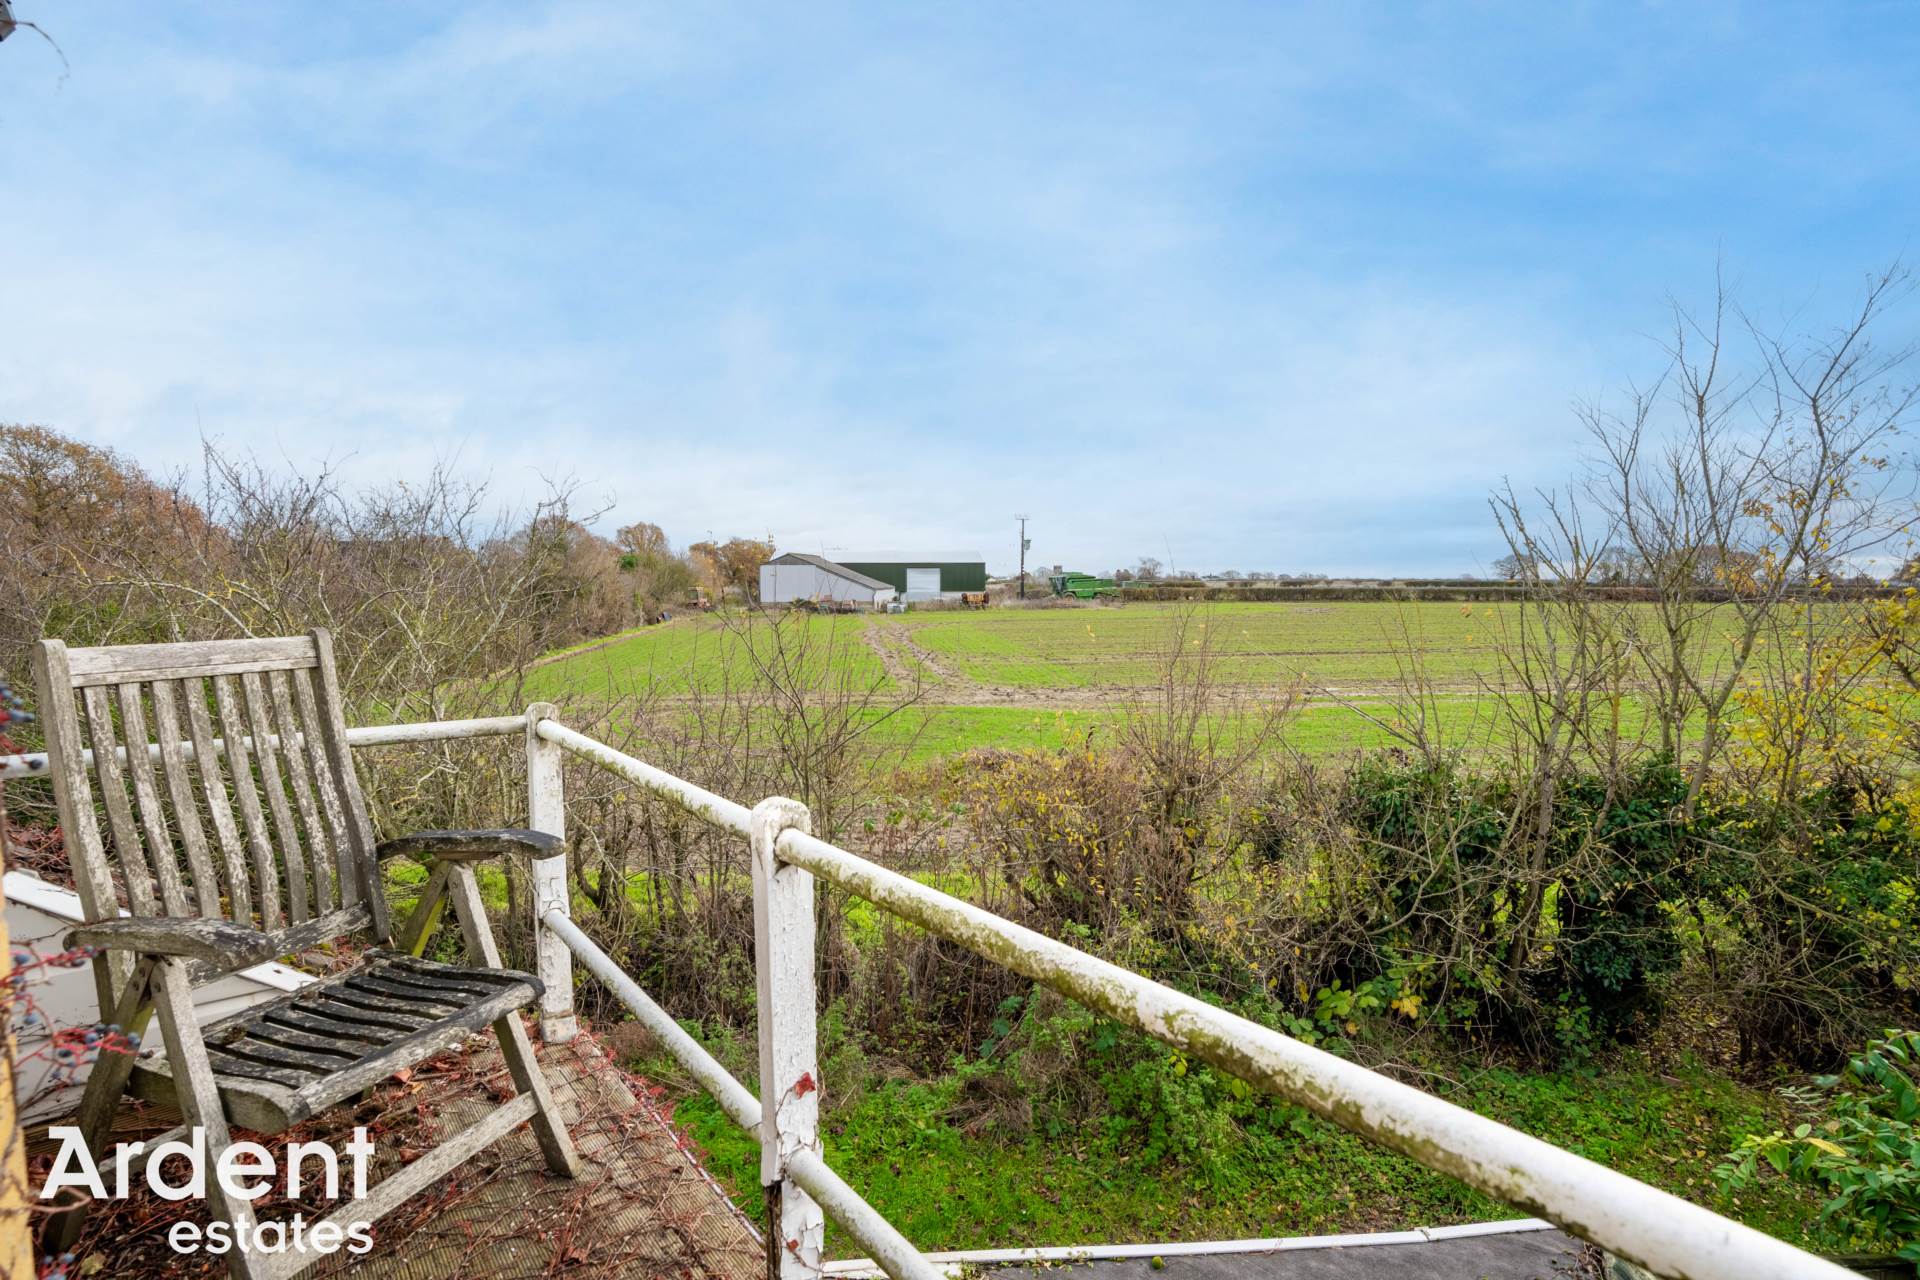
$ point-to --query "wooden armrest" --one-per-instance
(472, 846)
(220, 943)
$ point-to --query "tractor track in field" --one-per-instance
(932, 661)
(897, 669)
(899, 652)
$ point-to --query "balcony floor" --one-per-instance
(642, 1208)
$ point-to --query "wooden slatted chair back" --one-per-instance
(211, 779)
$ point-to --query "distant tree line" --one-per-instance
(1147, 569)
(423, 583)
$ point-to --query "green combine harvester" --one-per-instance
(1083, 586)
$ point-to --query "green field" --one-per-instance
(1253, 643)
(1047, 677)
(701, 654)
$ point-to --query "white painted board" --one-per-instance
(39, 916)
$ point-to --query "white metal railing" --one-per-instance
(1643, 1224)
(33, 764)
(874, 1233)
(1671, 1236)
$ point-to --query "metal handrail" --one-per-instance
(1638, 1222)
(891, 1250)
(33, 764)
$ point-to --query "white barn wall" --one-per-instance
(785, 583)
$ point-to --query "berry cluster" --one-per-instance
(70, 1048)
(12, 710)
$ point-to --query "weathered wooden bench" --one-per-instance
(202, 890)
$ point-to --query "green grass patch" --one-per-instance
(706, 654)
(1278, 1171)
(1093, 658)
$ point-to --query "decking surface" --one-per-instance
(641, 1207)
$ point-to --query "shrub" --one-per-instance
(1865, 1153)
(1061, 832)
(1819, 944)
(1449, 876)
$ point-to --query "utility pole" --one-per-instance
(1024, 544)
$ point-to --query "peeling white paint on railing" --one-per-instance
(890, 1250)
(33, 764)
(1639, 1222)
(547, 811)
(382, 735)
(698, 801)
(1675, 1238)
(784, 955)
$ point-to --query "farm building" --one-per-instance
(935, 576)
(797, 576)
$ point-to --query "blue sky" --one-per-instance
(1270, 286)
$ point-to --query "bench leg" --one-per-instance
(199, 1100)
(418, 930)
(464, 892)
(548, 1127)
(105, 1083)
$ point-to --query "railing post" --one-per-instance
(783, 950)
(547, 811)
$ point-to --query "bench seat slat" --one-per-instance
(314, 1022)
(228, 1063)
(427, 1001)
(268, 1084)
(431, 987)
(287, 1038)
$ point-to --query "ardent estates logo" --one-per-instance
(245, 1171)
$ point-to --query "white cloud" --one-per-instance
(854, 278)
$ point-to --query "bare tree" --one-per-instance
(1563, 687)
(1758, 466)
(1195, 741)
